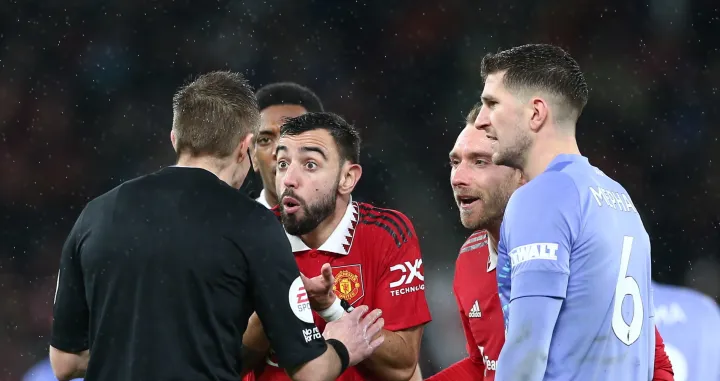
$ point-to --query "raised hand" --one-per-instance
(360, 333)
(319, 288)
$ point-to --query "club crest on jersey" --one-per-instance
(348, 283)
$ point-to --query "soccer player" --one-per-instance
(481, 191)
(159, 276)
(574, 257)
(688, 321)
(277, 102)
(363, 254)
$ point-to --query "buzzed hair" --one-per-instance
(288, 93)
(213, 113)
(473, 114)
(541, 67)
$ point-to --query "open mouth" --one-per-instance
(466, 201)
(290, 205)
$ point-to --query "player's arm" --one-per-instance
(540, 224)
(300, 349)
(663, 368)
(255, 345)
(69, 355)
(400, 294)
(470, 368)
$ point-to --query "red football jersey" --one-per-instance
(376, 261)
(476, 291)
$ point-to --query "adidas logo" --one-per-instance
(475, 311)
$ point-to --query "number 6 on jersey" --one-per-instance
(627, 285)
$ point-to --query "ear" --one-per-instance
(540, 113)
(349, 177)
(242, 149)
(173, 139)
(253, 155)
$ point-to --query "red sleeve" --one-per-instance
(471, 347)
(400, 291)
(663, 368)
(463, 370)
(470, 368)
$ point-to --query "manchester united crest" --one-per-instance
(348, 283)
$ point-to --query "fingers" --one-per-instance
(375, 327)
(357, 313)
(377, 342)
(327, 273)
(372, 317)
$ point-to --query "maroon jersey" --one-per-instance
(375, 258)
(475, 287)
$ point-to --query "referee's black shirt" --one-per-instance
(159, 277)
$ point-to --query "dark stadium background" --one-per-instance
(85, 103)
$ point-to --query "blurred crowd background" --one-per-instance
(85, 104)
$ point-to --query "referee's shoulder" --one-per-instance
(109, 198)
(250, 214)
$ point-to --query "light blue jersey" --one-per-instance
(573, 233)
(688, 322)
(42, 371)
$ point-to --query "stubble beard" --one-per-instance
(312, 215)
(494, 209)
(515, 154)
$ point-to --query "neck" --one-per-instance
(322, 232)
(494, 235)
(543, 153)
(220, 168)
(270, 198)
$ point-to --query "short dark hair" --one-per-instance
(345, 135)
(213, 113)
(540, 66)
(473, 114)
(288, 93)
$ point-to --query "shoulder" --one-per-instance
(386, 223)
(548, 191)
(110, 199)
(478, 240)
(258, 218)
(473, 253)
(555, 185)
(699, 302)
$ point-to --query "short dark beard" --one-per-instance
(515, 156)
(313, 215)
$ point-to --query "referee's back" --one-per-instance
(159, 276)
(163, 289)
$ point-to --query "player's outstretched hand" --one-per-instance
(359, 332)
(319, 288)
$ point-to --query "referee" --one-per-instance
(159, 276)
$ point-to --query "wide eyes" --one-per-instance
(309, 165)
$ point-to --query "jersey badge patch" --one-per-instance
(348, 283)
